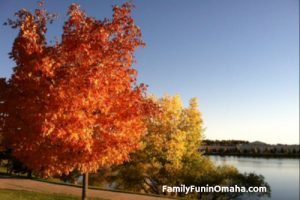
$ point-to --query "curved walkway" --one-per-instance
(42, 187)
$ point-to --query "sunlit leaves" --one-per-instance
(170, 146)
(75, 104)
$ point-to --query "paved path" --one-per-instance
(37, 186)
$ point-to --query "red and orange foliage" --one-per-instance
(75, 104)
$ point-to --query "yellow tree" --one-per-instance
(173, 138)
(174, 134)
(170, 156)
(74, 104)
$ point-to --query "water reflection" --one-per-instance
(281, 173)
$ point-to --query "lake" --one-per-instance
(282, 174)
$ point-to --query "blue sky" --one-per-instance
(240, 58)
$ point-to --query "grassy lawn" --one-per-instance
(25, 195)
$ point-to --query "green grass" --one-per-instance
(26, 195)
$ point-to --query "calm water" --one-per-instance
(282, 174)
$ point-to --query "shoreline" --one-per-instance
(297, 156)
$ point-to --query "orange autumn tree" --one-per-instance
(74, 104)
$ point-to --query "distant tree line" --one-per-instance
(224, 142)
(245, 148)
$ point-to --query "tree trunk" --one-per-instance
(85, 183)
(29, 174)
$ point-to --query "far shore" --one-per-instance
(255, 155)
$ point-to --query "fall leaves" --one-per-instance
(172, 141)
(76, 104)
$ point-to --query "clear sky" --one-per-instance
(240, 58)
